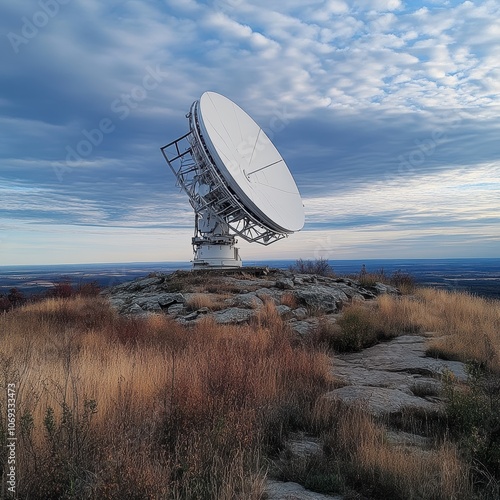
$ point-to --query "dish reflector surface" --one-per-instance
(250, 163)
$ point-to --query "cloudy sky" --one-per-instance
(386, 112)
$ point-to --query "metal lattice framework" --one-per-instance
(198, 175)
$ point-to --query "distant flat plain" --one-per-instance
(477, 276)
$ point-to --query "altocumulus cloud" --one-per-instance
(389, 122)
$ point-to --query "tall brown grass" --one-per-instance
(117, 407)
(290, 300)
(380, 469)
(114, 407)
(461, 326)
(214, 302)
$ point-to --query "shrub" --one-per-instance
(62, 289)
(320, 267)
(326, 335)
(357, 329)
(473, 413)
(367, 279)
(5, 304)
(16, 297)
(90, 289)
(405, 282)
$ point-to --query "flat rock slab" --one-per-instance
(249, 300)
(278, 490)
(353, 374)
(404, 354)
(392, 377)
(381, 401)
(302, 445)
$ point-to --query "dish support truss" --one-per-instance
(219, 213)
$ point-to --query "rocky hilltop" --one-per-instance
(235, 296)
(388, 379)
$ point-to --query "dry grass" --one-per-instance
(460, 326)
(211, 301)
(463, 326)
(290, 300)
(112, 407)
(359, 456)
(361, 325)
(379, 469)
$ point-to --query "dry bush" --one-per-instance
(114, 407)
(357, 329)
(369, 279)
(325, 335)
(319, 266)
(404, 282)
(395, 315)
(469, 325)
(268, 317)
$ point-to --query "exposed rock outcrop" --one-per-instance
(244, 291)
(278, 490)
(390, 378)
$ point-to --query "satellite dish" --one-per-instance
(237, 182)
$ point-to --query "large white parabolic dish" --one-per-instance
(250, 163)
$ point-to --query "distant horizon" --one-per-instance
(476, 275)
(187, 262)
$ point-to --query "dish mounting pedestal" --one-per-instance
(213, 245)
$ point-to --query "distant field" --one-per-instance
(478, 276)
